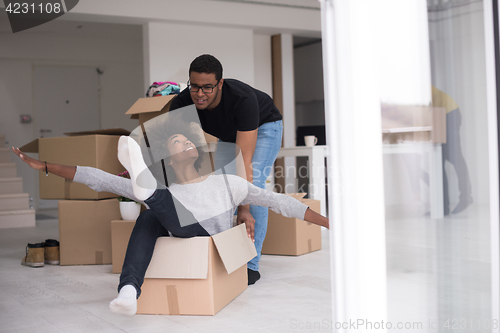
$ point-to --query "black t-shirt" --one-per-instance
(242, 108)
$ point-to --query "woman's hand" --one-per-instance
(34, 164)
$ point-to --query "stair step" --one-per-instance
(5, 155)
(19, 201)
(11, 185)
(17, 218)
(8, 170)
(2, 141)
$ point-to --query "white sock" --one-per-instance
(126, 302)
(130, 156)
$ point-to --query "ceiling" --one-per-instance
(311, 4)
(77, 28)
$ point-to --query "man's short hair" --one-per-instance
(208, 64)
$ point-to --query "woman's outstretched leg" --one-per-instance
(139, 252)
(163, 217)
(130, 156)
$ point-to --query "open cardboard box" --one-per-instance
(90, 148)
(291, 236)
(85, 231)
(196, 276)
(147, 108)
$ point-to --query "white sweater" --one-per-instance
(212, 201)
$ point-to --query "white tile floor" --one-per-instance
(438, 270)
(292, 293)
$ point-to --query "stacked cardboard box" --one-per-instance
(120, 235)
(291, 236)
(84, 215)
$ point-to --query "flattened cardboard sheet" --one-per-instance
(32, 146)
(109, 131)
(234, 247)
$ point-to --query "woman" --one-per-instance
(193, 204)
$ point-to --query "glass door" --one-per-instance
(422, 73)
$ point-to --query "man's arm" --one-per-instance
(246, 141)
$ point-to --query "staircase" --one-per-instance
(15, 210)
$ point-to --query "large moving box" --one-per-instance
(196, 276)
(93, 148)
(85, 231)
(120, 235)
(291, 236)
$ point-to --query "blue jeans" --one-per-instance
(267, 147)
(266, 150)
(452, 152)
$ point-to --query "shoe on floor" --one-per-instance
(462, 205)
(34, 255)
(51, 252)
(253, 276)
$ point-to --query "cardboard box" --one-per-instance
(85, 231)
(120, 235)
(413, 123)
(92, 148)
(196, 276)
(291, 236)
(147, 108)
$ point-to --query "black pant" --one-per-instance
(452, 152)
(166, 215)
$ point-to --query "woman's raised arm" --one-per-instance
(60, 170)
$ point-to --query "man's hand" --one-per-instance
(244, 216)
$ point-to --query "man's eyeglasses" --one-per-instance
(205, 89)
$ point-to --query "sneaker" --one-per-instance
(253, 276)
(51, 252)
(34, 255)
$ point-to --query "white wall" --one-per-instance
(173, 46)
(121, 82)
(263, 77)
(264, 18)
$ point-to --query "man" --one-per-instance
(452, 152)
(235, 112)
